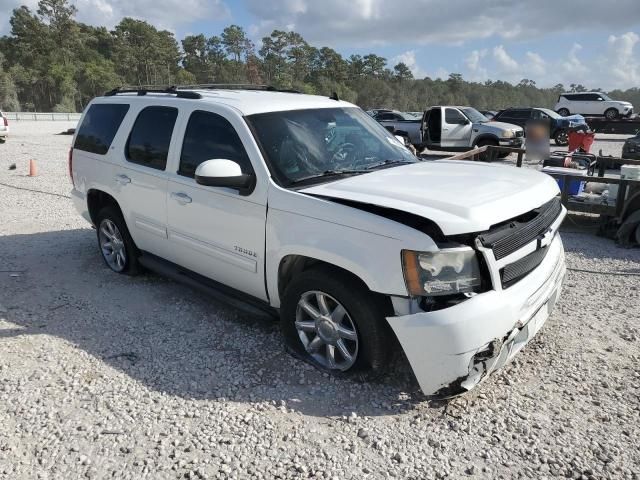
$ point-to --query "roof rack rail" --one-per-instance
(143, 90)
(236, 86)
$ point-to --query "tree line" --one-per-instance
(51, 62)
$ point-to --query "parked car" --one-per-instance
(4, 128)
(489, 113)
(452, 128)
(631, 148)
(592, 103)
(558, 125)
(376, 111)
(401, 124)
(306, 207)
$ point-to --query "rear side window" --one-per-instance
(99, 126)
(210, 136)
(150, 137)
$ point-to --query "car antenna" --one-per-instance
(334, 96)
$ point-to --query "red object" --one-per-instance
(581, 140)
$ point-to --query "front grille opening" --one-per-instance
(510, 236)
(516, 271)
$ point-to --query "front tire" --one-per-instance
(486, 156)
(611, 113)
(115, 243)
(563, 112)
(561, 138)
(331, 320)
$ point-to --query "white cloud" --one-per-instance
(409, 59)
(504, 60)
(535, 64)
(363, 23)
(474, 66)
(622, 61)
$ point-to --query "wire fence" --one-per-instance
(39, 116)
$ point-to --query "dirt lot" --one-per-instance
(105, 376)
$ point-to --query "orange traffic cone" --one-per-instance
(33, 168)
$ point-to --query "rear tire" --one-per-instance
(563, 112)
(611, 113)
(117, 248)
(326, 312)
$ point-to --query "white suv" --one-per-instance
(592, 103)
(305, 207)
(4, 128)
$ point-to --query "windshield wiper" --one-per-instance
(387, 162)
(327, 173)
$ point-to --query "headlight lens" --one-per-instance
(508, 134)
(441, 273)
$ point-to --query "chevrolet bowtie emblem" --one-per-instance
(544, 240)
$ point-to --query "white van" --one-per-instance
(307, 208)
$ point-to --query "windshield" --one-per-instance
(302, 144)
(550, 113)
(605, 97)
(474, 115)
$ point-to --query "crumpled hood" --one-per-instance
(459, 196)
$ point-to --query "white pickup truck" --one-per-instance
(452, 129)
(305, 207)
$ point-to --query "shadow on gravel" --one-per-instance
(167, 336)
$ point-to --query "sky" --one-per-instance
(594, 43)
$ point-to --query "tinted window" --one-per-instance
(389, 116)
(210, 136)
(570, 97)
(99, 126)
(150, 137)
(520, 114)
(453, 116)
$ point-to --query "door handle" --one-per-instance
(122, 179)
(445, 129)
(181, 198)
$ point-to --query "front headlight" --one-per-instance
(445, 272)
(508, 134)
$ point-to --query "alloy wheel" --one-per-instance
(326, 331)
(112, 246)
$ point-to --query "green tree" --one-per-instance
(402, 72)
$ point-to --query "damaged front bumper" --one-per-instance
(452, 350)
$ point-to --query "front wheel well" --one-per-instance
(97, 200)
(485, 139)
(293, 265)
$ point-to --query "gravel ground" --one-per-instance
(105, 376)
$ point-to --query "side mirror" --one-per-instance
(464, 121)
(224, 173)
